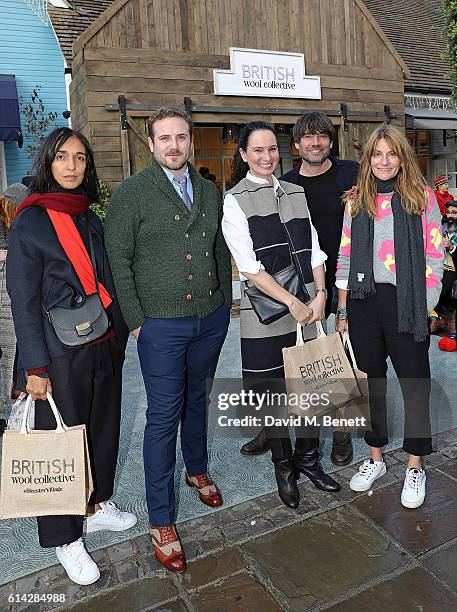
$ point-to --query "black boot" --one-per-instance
(308, 464)
(257, 446)
(287, 482)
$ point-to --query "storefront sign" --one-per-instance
(266, 74)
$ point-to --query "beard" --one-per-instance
(316, 161)
(174, 165)
(450, 227)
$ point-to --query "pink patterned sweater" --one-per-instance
(383, 247)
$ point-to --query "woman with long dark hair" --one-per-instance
(267, 227)
(55, 255)
(389, 273)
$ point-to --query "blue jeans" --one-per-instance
(177, 356)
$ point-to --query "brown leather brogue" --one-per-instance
(342, 448)
(256, 446)
(167, 547)
(207, 490)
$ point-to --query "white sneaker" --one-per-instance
(413, 493)
(368, 472)
(78, 564)
(111, 518)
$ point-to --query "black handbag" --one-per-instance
(269, 310)
(82, 324)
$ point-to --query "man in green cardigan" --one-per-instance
(172, 272)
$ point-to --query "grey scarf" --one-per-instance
(409, 264)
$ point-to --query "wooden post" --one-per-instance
(124, 136)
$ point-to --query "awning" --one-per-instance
(10, 123)
(432, 118)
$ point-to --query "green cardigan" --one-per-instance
(166, 261)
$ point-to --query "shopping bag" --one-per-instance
(17, 412)
(45, 472)
(354, 416)
(319, 377)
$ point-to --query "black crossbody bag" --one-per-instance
(269, 310)
(85, 323)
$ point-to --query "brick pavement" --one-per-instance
(347, 552)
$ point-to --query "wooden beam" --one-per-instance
(375, 25)
(124, 138)
(141, 135)
(96, 25)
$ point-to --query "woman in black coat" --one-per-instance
(53, 241)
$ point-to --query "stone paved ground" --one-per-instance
(346, 552)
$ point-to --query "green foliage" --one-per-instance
(37, 121)
(449, 9)
(99, 208)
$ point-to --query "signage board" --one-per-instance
(266, 74)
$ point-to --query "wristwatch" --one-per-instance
(323, 289)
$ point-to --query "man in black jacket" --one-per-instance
(324, 180)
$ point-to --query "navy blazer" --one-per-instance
(40, 276)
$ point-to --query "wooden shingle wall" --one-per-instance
(158, 51)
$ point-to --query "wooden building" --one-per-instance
(140, 54)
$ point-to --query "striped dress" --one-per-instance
(264, 220)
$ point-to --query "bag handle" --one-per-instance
(347, 344)
(320, 333)
(61, 427)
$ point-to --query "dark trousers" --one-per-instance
(449, 278)
(306, 436)
(373, 329)
(307, 441)
(177, 358)
(87, 388)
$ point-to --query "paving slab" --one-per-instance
(238, 593)
(412, 591)
(134, 597)
(5, 592)
(212, 568)
(173, 606)
(450, 467)
(416, 530)
(247, 528)
(324, 556)
(211, 540)
(443, 563)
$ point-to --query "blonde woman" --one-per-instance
(389, 278)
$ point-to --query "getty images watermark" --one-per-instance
(261, 405)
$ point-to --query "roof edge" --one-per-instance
(97, 25)
(102, 19)
(365, 10)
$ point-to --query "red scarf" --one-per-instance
(60, 208)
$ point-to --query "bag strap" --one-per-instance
(300, 341)
(320, 330)
(92, 257)
(347, 344)
(320, 333)
(293, 256)
(25, 429)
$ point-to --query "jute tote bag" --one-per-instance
(319, 376)
(45, 472)
(355, 414)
